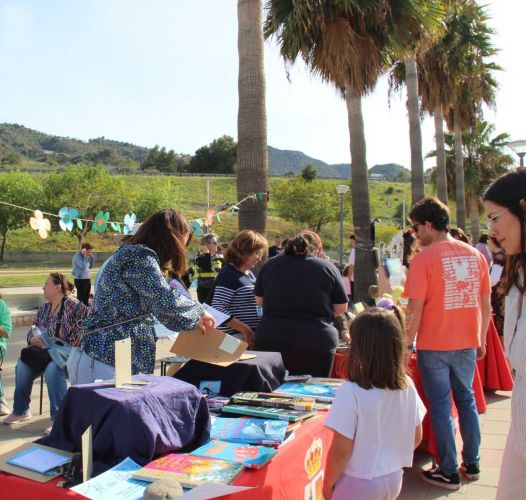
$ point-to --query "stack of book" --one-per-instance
(215, 403)
(249, 431)
(323, 390)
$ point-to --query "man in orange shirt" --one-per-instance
(448, 288)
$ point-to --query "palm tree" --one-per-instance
(474, 84)
(350, 43)
(252, 152)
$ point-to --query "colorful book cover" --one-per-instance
(323, 393)
(251, 456)
(266, 412)
(249, 430)
(273, 400)
(189, 470)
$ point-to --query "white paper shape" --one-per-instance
(123, 373)
(213, 490)
(229, 344)
(219, 316)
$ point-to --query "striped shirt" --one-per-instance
(515, 344)
(234, 295)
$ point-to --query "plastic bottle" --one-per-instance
(35, 331)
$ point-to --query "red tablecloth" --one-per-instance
(295, 472)
(493, 368)
(340, 370)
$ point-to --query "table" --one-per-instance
(264, 373)
(296, 472)
(163, 416)
(495, 373)
(340, 370)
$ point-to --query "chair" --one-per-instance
(41, 390)
(165, 362)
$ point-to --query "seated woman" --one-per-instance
(234, 286)
(130, 290)
(300, 294)
(58, 320)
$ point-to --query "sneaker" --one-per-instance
(15, 419)
(471, 471)
(438, 478)
(4, 409)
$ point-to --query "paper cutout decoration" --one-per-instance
(209, 219)
(67, 215)
(115, 226)
(234, 209)
(38, 223)
(196, 227)
(129, 221)
(80, 225)
(101, 222)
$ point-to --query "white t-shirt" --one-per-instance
(382, 425)
(352, 258)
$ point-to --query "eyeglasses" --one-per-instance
(492, 221)
(415, 226)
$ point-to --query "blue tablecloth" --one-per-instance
(164, 416)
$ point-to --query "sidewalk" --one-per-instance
(494, 425)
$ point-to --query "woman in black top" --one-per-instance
(300, 294)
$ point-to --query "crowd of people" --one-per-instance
(295, 306)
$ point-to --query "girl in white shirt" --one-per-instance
(376, 417)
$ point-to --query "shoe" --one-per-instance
(15, 419)
(471, 471)
(4, 409)
(438, 478)
(47, 430)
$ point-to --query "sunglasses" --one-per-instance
(414, 227)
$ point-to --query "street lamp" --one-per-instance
(519, 148)
(341, 189)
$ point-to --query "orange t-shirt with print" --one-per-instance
(450, 277)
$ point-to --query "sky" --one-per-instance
(165, 72)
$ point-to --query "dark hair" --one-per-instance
(66, 286)
(409, 246)
(86, 245)
(207, 238)
(345, 272)
(297, 246)
(352, 237)
(483, 239)
(376, 353)
(165, 232)
(508, 191)
(431, 210)
(458, 234)
(243, 244)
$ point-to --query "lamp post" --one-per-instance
(341, 189)
(519, 148)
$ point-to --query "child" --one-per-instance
(376, 417)
(374, 295)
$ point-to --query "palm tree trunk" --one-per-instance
(441, 174)
(365, 271)
(459, 175)
(415, 134)
(252, 152)
(475, 218)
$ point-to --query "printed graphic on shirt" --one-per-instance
(461, 282)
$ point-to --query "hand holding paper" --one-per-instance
(207, 321)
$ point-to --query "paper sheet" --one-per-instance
(123, 373)
(114, 483)
(219, 316)
(213, 490)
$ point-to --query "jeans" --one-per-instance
(442, 372)
(55, 378)
(84, 369)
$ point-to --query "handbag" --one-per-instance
(35, 357)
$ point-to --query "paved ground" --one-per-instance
(495, 425)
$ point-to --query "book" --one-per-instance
(250, 455)
(215, 403)
(39, 460)
(189, 470)
(321, 393)
(273, 400)
(336, 382)
(289, 415)
(249, 430)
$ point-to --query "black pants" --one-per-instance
(83, 287)
(204, 295)
(300, 361)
